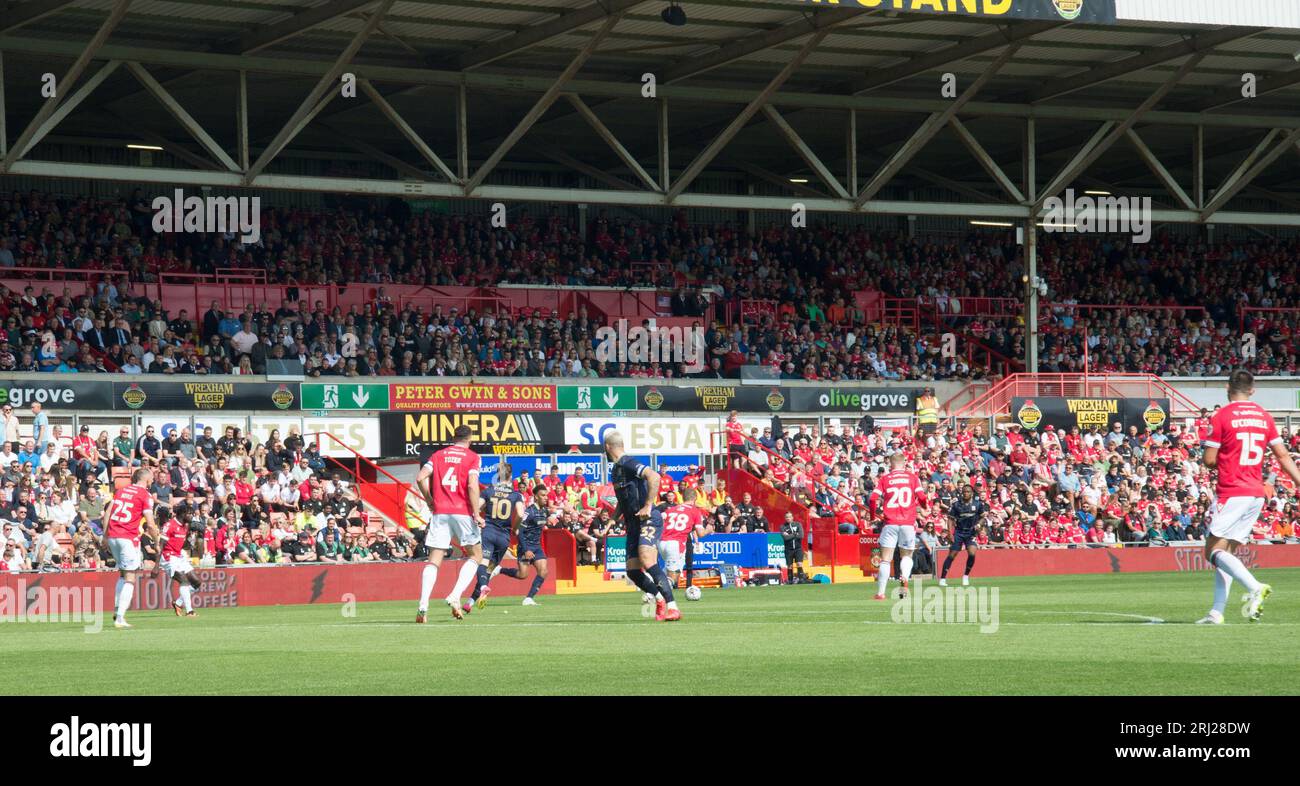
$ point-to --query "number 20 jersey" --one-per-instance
(897, 493)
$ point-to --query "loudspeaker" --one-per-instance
(867, 424)
(777, 431)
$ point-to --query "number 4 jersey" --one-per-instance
(1244, 433)
(454, 468)
(898, 493)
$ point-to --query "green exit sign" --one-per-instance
(332, 396)
(605, 398)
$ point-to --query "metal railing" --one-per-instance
(354, 470)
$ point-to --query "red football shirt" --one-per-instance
(900, 492)
(173, 539)
(125, 511)
(454, 468)
(1243, 432)
(680, 522)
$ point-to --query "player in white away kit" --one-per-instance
(896, 497)
(1241, 435)
(449, 483)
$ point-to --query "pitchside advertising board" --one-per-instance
(655, 435)
(1085, 413)
(359, 434)
(713, 398)
(747, 550)
(1091, 11)
(184, 396)
(416, 435)
(57, 394)
(473, 397)
(820, 399)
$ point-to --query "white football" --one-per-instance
(693, 593)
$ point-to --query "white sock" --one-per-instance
(427, 579)
(117, 596)
(1222, 585)
(186, 591)
(672, 604)
(905, 567)
(495, 571)
(124, 598)
(1229, 564)
(468, 572)
(882, 578)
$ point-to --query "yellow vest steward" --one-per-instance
(927, 409)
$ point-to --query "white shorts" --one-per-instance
(672, 556)
(1235, 518)
(177, 566)
(898, 536)
(125, 553)
(444, 527)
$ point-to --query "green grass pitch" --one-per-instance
(1057, 635)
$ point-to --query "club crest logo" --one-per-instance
(1068, 9)
(1030, 415)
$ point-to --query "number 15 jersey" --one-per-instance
(1244, 433)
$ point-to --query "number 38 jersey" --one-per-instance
(1244, 434)
(897, 494)
(680, 521)
(454, 468)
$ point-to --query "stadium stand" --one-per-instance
(1167, 308)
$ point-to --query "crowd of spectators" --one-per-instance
(1043, 489)
(807, 324)
(247, 502)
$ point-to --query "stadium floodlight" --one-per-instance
(1097, 193)
(798, 180)
(1003, 224)
(674, 15)
(144, 147)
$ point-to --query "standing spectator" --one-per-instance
(10, 424)
(40, 427)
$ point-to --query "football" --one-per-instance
(692, 593)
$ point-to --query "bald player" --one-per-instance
(636, 487)
(897, 494)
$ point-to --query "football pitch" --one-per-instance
(1103, 634)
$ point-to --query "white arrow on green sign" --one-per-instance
(326, 396)
(596, 397)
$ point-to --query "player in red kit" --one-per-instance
(680, 522)
(176, 561)
(449, 483)
(131, 504)
(895, 498)
(1241, 435)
